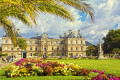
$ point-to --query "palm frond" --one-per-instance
(15, 12)
(9, 28)
(56, 9)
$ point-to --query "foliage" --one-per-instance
(91, 51)
(40, 54)
(33, 67)
(35, 54)
(57, 54)
(111, 41)
(116, 51)
(22, 43)
(4, 54)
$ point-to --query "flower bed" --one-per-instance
(38, 67)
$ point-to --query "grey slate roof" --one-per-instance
(44, 36)
(74, 34)
(88, 43)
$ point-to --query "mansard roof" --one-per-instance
(43, 36)
(74, 34)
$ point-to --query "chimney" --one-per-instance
(60, 36)
(64, 34)
(37, 35)
(78, 31)
(70, 31)
(18, 31)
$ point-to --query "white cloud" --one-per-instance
(107, 14)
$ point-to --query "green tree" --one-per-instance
(90, 50)
(22, 43)
(58, 54)
(19, 9)
(35, 54)
(111, 41)
(116, 51)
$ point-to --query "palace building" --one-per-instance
(71, 43)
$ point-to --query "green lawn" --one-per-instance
(110, 66)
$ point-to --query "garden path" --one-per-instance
(3, 65)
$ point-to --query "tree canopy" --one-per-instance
(22, 43)
(111, 41)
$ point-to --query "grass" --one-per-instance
(110, 66)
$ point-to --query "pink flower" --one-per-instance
(116, 78)
(94, 70)
(99, 76)
(102, 72)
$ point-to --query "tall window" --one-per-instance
(71, 48)
(52, 48)
(45, 49)
(30, 42)
(57, 48)
(71, 42)
(56, 42)
(76, 54)
(30, 54)
(76, 42)
(63, 48)
(81, 42)
(52, 54)
(36, 48)
(31, 48)
(81, 48)
(12, 48)
(63, 54)
(61, 42)
(76, 48)
(6, 41)
(51, 42)
(5, 48)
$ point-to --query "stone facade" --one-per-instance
(72, 43)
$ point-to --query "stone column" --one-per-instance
(100, 51)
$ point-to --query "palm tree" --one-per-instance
(15, 12)
(33, 7)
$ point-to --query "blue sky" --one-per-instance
(107, 17)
